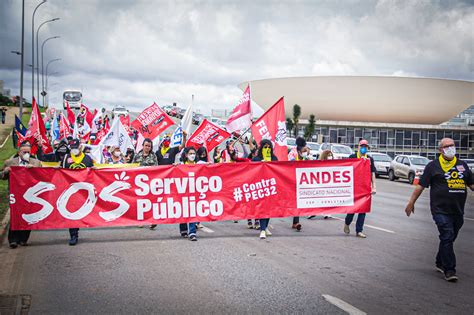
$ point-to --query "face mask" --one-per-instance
(116, 153)
(449, 152)
(166, 143)
(363, 150)
(26, 157)
(266, 152)
(192, 157)
(304, 154)
(75, 151)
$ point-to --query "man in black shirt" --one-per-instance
(76, 159)
(361, 154)
(448, 178)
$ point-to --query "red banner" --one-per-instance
(272, 126)
(152, 121)
(45, 198)
(207, 135)
(36, 133)
(70, 115)
(241, 117)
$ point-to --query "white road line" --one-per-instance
(206, 229)
(3, 144)
(370, 226)
(469, 219)
(351, 310)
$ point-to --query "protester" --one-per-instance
(57, 156)
(75, 160)
(130, 156)
(4, 115)
(448, 179)
(22, 158)
(216, 156)
(202, 157)
(115, 157)
(189, 157)
(167, 156)
(361, 154)
(325, 155)
(265, 154)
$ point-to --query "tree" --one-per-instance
(296, 116)
(289, 125)
(309, 129)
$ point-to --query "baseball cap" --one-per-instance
(75, 144)
(363, 142)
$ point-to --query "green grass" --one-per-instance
(5, 153)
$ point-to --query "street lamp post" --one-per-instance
(37, 54)
(45, 87)
(42, 59)
(33, 51)
(22, 55)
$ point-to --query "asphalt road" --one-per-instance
(230, 270)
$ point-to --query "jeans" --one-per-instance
(359, 222)
(192, 228)
(18, 236)
(183, 228)
(296, 220)
(448, 227)
(264, 224)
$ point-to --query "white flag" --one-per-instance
(117, 137)
(187, 121)
(176, 137)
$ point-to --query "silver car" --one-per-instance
(407, 166)
(382, 163)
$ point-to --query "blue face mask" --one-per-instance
(363, 150)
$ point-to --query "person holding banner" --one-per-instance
(22, 158)
(75, 160)
(361, 154)
(189, 157)
(265, 154)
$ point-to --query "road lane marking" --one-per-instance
(206, 229)
(370, 226)
(469, 219)
(351, 310)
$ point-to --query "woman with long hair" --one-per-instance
(189, 157)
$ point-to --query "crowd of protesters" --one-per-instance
(447, 207)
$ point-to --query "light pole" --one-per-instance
(37, 55)
(42, 72)
(22, 55)
(33, 51)
(45, 87)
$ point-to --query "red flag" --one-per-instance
(125, 120)
(70, 115)
(64, 128)
(86, 113)
(152, 121)
(272, 126)
(37, 132)
(102, 132)
(21, 138)
(241, 117)
(208, 135)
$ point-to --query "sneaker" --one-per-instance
(311, 217)
(263, 235)
(235, 221)
(153, 226)
(267, 232)
(73, 241)
(199, 225)
(193, 237)
(13, 245)
(347, 230)
(23, 243)
(440, 268)
(298, 227)
(326, 217)
(184, 234)
(249, 225)
(361, 235)
(450, 276)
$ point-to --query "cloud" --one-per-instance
(135, 52)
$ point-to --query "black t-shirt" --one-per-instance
(168, 158)
(448, 191)
(68, 162)
(372, 164)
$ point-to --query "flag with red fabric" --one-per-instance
(36, 133)
(70, 115)
(152, 121)
(125, 120)
(241, 117)
(86, 113)
(272, 126)
(64, 128)
(207, 135)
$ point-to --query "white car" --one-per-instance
(382, 163)
(119, 110)
(339, 151)
(313, 149)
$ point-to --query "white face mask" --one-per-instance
(75, 151)
(304, 154)
(26, 157)
(192, 157)
(449, 152)
(117, 153)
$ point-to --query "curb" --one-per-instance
(3, 225)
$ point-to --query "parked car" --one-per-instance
(339, 151)
(173, 112)
(382, 163)
(167, 108)
(181, 112)
(407, 166)
(313, 149)
(470, 163)
(197, 118)
(290, 143)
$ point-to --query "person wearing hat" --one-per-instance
(22, 158)
(361, 154)
(75, 160)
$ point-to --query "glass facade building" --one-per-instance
(395, 139)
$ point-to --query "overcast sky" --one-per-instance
(139, 51)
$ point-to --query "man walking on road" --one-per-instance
(448, 178)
